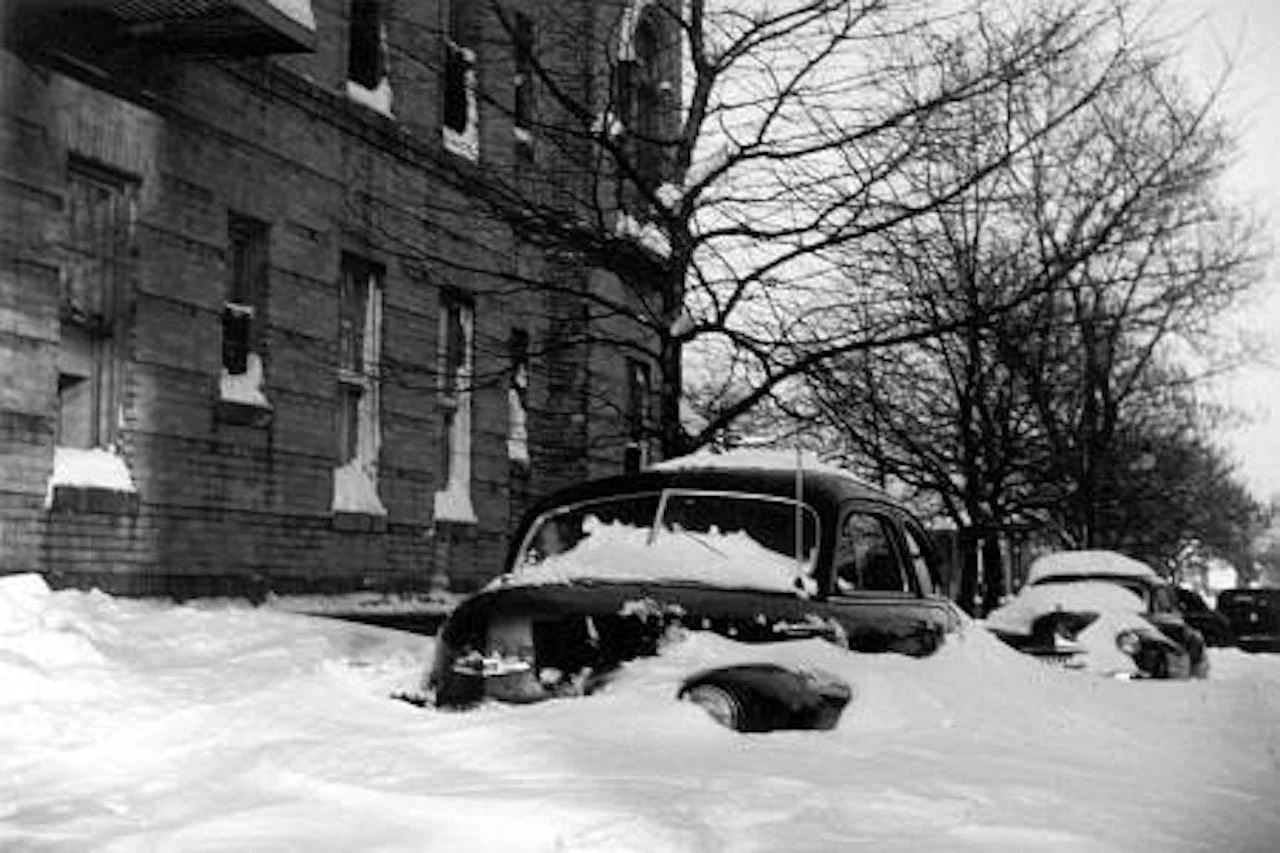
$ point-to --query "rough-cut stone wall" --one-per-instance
(229, 504)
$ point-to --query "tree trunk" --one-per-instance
(992, 571)
(968, 540)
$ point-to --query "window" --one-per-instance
(522, 82)
(95, 275)
(639, 389)
(453, 501)
(243, 313)
(865, 557)
(639, 99)
(364, 46)
(461, 116)
(919, 552)
(518, 398)
(356, 427)
(367, 78)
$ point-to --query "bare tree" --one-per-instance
(1060, 286)
(718, 160)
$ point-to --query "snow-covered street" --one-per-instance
(131, 725)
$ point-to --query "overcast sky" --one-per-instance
(1246, 34)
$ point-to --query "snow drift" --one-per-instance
(144, 726)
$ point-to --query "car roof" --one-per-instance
(823, 487)
(1096, 564)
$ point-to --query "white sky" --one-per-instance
(1246, 33)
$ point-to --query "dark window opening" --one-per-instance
(247, 267)
(639, 391)
(523, 81)
(459, 68)
(365, 64)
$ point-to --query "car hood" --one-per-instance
(1120, 605)
(755, 614)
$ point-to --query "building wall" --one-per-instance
(231, 505)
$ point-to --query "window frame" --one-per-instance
(92, 317)
(366, 62)
(459, 104)
(890, 532)
(454, 399)
(358, 377)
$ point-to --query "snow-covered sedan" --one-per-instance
(1104, 612)
(758, 547)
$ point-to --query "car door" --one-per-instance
(882, 589)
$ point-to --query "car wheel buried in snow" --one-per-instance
(606, 572)
(768, 697)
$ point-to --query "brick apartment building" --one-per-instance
(251, 334)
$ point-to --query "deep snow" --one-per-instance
(130, 725)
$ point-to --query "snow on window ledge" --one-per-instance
(378, 99)
(90, 470)
(244, 388)
(354, 490)
(465, 143)
(454, 504)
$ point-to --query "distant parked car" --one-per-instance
(1254, 616)
(1101, 611)
(748, 545)
(1211, 624)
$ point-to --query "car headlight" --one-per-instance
(722, 705)
(1129, 642)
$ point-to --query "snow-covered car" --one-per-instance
(1104, 612)
(758, 547)
(1254, 616)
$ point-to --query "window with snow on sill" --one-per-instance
(89, 468)
(244, 388)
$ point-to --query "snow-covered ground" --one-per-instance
(139, 726)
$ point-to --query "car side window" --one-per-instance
(1163, 601)
(865, 557)
(918, 555)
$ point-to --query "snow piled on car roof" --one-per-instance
(756, 458)
(1086, 563)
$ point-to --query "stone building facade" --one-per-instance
(254, 334)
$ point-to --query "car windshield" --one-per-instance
(726, 539)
